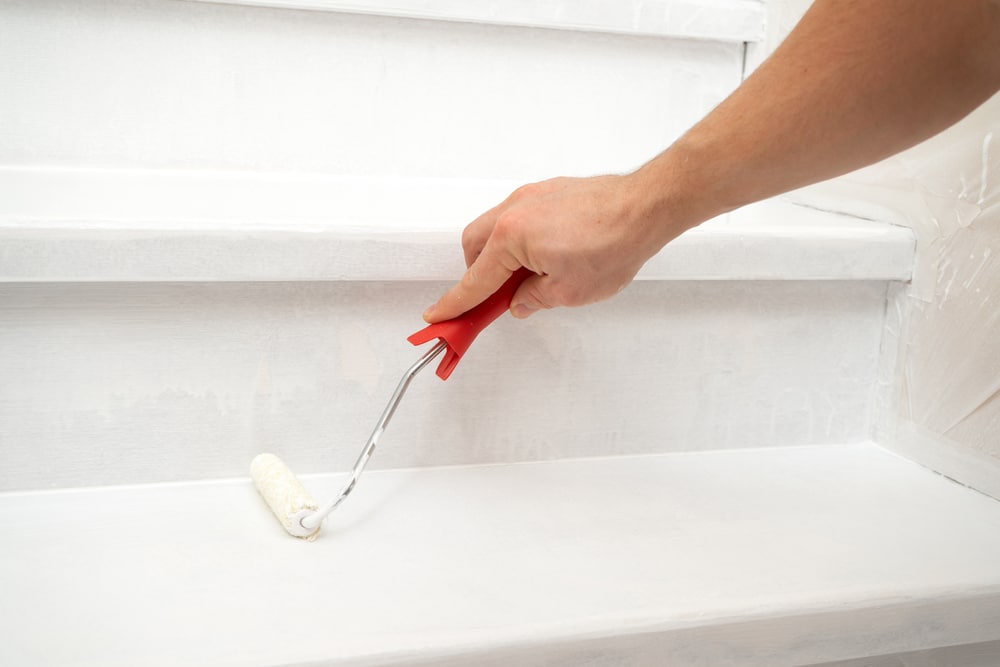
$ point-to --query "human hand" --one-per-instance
(584, 238)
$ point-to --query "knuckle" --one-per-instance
(470, 278)
(538, 298)
(507, 224)
(470, 236)
(570, 294)
(526, 191)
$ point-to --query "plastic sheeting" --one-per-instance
(941, 365)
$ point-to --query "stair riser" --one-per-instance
(126, 383)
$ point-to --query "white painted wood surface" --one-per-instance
(160, 83)
(779, 557)
(722, 20)
(977, 468)
(120, 383)
(986, 654)
(99, 225)
(758, 558)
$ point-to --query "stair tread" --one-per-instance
(68, 225)
(829, 552)
(724, 20)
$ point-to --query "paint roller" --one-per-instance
(291, 503)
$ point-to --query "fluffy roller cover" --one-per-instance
(284, 494)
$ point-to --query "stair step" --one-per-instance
(774, 557)
(721, 20)
(105, 225)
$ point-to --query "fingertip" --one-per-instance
(522, 311)
(433, 314)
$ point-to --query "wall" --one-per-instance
(942, 405)
(939, 401)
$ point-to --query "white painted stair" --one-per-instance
(773, 557)
(218, 246)
(142, 226)
(719, 541)
(173, 331)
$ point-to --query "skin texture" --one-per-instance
(855, 82)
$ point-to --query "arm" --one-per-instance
(855, 82)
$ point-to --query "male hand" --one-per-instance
(584, 238)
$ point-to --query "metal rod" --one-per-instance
(313, 520)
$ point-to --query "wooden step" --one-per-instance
(106, 225)
(770, 557)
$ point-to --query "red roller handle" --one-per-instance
(459, 332)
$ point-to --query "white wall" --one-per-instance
(940, 396)
(944, 402)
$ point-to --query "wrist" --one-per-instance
(669, 195)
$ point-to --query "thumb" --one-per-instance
(530, 297)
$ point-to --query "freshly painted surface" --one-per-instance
(759, 558)
(940, 378)
(280, 180)
(120, 383)
(160, 83)
(941, 375)
(986, 654)
(723, 20)
(98, 225)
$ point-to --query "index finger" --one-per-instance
(483, 277)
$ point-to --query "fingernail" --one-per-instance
(522, 310)
(427, 314)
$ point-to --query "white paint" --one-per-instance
(986, 654)
(970, 466)
(312, 121)
(115, 383)
(722, 20)
(944, 390)
(157, 83)
(984, 178)
(169, 141)
(939, 398)
(87, 225)
(734, 559)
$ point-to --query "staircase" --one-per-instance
(220, 221)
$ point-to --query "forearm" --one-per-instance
(855, 82)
